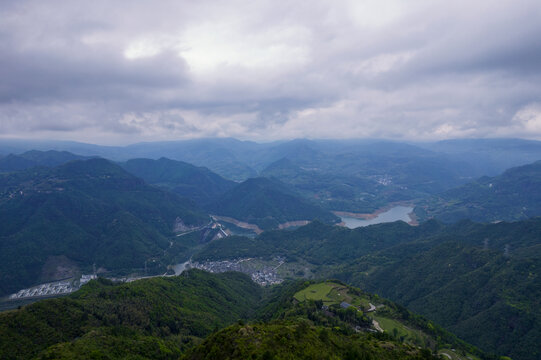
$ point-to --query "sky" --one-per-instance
(117, 72)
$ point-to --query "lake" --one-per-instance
(394, 214)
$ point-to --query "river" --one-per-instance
(394, 214)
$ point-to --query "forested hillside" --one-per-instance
(79, 214)
(153, 319)
(513, 195)
(267, 203)
(185, 316)
(196, 183)
(461, 275)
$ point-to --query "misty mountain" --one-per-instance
(489, 156)
(347, 175)
(35, 158)
(267, 203)
(193, 182)
(513, 195)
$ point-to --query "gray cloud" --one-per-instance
(135, 70)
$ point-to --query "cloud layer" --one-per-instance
(126, 71)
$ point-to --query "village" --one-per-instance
(53, 288)
(263, 276)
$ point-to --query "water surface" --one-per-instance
(394, 214)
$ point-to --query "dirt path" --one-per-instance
(293, 223)
(376, 325)
(238, 223)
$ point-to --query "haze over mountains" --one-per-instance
(313, 179)
(145, 210)
(347, 175)
(513, 195)
(197, 183)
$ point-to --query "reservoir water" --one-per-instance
(394, 214)
(179, 268)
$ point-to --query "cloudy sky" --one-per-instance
(127, 71)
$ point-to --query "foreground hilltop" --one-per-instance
(196, 316)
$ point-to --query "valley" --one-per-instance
(142, 220)
(270, 180)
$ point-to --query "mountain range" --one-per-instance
(344, 175)
(197, 183)
(34, 158)
(471, 265)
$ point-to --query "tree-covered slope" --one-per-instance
(196, 183)
(300, 340)
(84, 212)
(154, 318)
(513, 195)
(267, 203)
(168, 318)
(318, 243)
(479, 280)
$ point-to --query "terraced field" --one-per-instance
(334, 293)
(329, 292)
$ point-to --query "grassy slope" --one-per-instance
(394, 320)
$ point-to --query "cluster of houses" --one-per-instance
(263, 277)
(56, 288)
(53, 288)
(266, 277)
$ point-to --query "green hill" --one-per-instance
(513, 195)
(154, 318)
(193, 182)
(299, 340)
(79, 214)
(317, 243)
(267, 203)
(480, 281)
(168, 318)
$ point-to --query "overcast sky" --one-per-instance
(128, 71)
